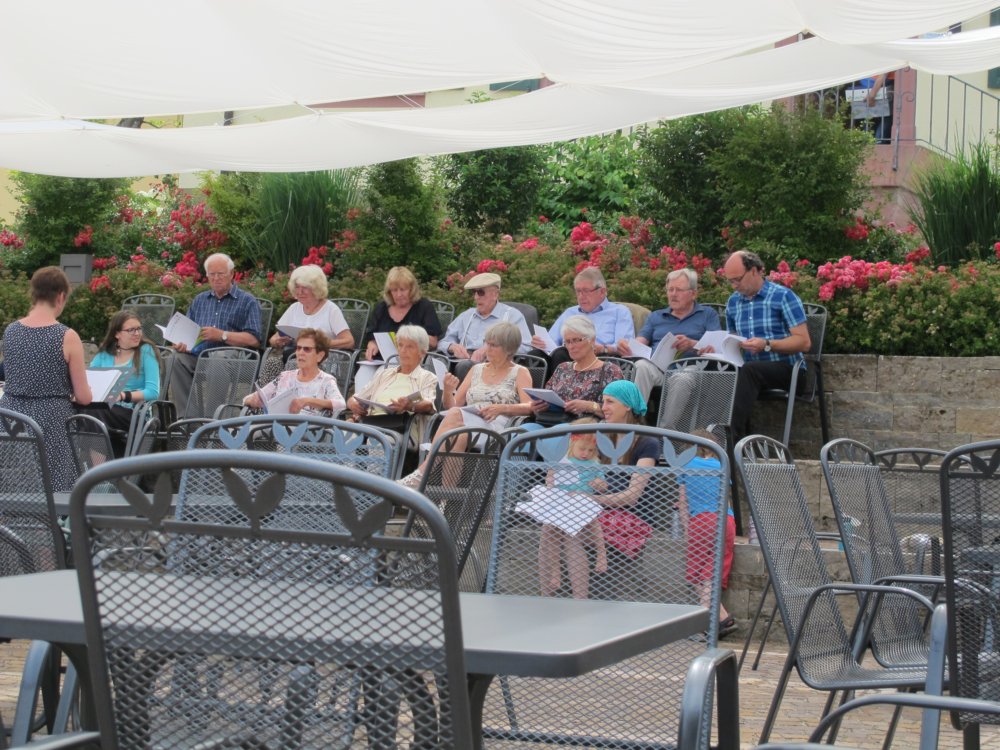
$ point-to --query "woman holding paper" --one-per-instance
(401, 305)
(44, 367)
(579, 382)
(492, 392)
(311, 309)
(125, 347)
(402, 389)
(312, 390)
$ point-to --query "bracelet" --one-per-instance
(127, 397)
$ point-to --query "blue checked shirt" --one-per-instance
(769, 314)
(237, 311)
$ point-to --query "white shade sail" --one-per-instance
(615, 63)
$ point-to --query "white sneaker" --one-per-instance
(412, 480)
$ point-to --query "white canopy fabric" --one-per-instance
(616, 63)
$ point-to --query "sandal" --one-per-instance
(726, 627)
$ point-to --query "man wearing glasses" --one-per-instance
(463, 341)
(612, 321)
(773, 321)
(228, 316)
(684, 318)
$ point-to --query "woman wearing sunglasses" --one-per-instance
(125, 347)
(315, 391)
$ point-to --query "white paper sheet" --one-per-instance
(726, 346)
(543, 333)
(279, 403)
(440, 369)
(386, 346)
(366, 371)
(107, 382)
(181, 329)
(415, 396)
(291, 332)
(568, 511)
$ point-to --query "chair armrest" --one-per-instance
(718, 666)
(911, 578)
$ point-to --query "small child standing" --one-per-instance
(584, 478)
(698, 509)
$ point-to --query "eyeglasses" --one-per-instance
(132, 331)
(217, 274)
(572, 342)
(675, 290)
(306, 349)
(479, 292)
(587, 291)
(738, 279)
(303, 288)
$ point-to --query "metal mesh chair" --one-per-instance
(821, 648)
(275, 643)
(356, 312)
(345, 443)
(536, 365)
(720, 308)
(812, 390)
(445, 312)
(874, 554)
(151, 310)
(271, 366)
(337, 362)
(460, 483)
(222, 375)
(30, 542)
(970, 516)
(266, 314)
(167, 355)
(647, 559)
(89, 441)
(913, 485)
(530, 312)
(697, 394)
(627, 366)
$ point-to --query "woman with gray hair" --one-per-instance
(495, 387)
(312, 309)
(579, 382)
(395, 386)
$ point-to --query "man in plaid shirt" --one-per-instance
(228, 316)
(771, 318)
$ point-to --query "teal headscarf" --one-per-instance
(626, 392)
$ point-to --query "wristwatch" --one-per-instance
(767, 345)
(225, 337)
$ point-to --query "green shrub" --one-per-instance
(793, 182)
(54, 210)
(675, 160)
(235, 199)
(957, 206)
(494, 190)
(401, 225)
(14, 297)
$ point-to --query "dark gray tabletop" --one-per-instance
(109, 503)
(518, 635)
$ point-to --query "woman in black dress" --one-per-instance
(401, 305)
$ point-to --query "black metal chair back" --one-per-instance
(356, 313)
(275, 642)
(970, 516)
(536, 365)
(90, 442)
(698, 394)
(627, 366)
(337, 362)
(645, 558)
(222, 375)
(151, 310)
(266, 314)
(530, 312)
(30, 538)
(445, 312)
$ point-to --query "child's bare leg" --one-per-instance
(578, 565)
(704, 589)
(600, 548)
(549, 553)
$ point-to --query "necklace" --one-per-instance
(589, 365)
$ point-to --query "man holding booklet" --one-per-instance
(226, 316)
(771, 319)
(677, 327)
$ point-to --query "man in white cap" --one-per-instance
(464, 338)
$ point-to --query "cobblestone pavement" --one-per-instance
(801, 708)
(799, 712)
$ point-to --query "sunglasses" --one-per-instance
(306, 349)
(132, 331)
(479, 292)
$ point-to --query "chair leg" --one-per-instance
(68, 701)
(779, 694)
(824, 417)
(763, 638)
(36, 666)
(753, 625)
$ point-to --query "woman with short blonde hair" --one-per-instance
(311, 309)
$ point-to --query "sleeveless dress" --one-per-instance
(481, 394)
(38, 386)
